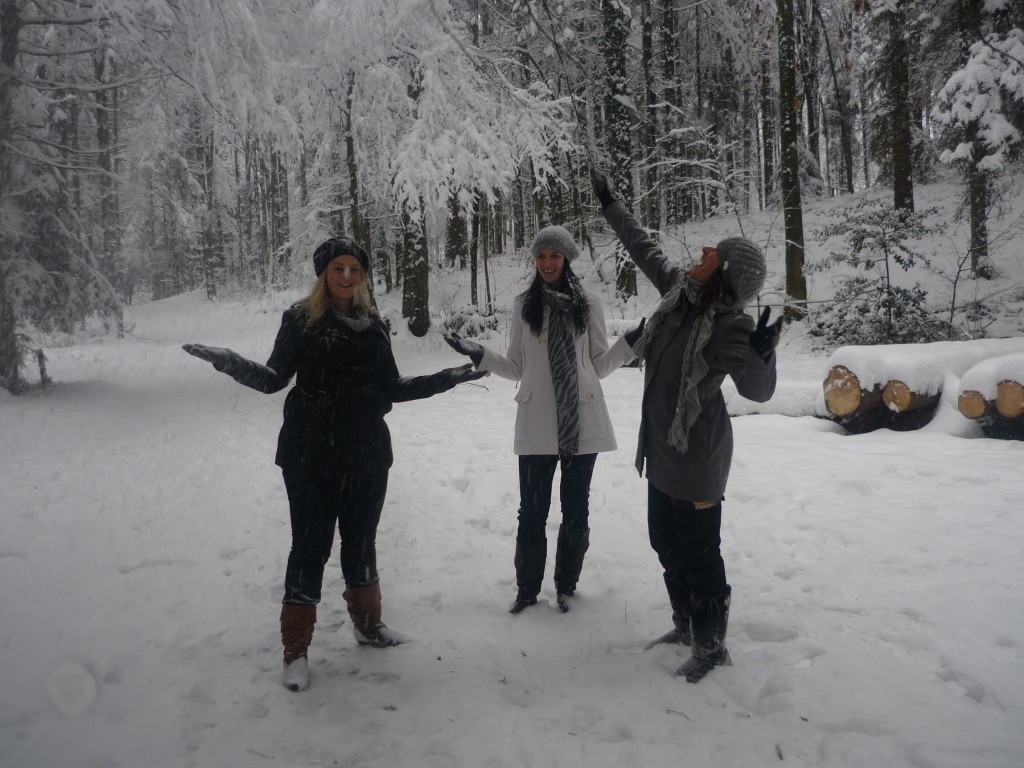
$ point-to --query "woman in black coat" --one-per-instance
(334, 448)
(696, 337)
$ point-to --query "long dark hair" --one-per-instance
(569, 284)
(714, 291)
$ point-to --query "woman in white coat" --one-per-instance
(558, 351)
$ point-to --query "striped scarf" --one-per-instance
(564, 375)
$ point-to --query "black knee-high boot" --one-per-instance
(682, 631)
(710, 617)
(573, 544)
(529, 562)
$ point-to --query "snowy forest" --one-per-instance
(152, 148)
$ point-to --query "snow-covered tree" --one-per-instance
(980, 108)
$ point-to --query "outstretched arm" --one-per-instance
(272, 377)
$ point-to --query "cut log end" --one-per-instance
(900, 398)
(843, 393)
(1010, 399)
(972, 404)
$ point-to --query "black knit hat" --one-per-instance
(331, 249)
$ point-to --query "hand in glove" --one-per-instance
(600, 183)
(470, 349)
(454, 376)
(220, 357)
(765, 337)
(633, 336)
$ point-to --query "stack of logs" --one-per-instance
(895, 405)
(1002, 417)
(905, 382)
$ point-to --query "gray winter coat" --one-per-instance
(701, 473)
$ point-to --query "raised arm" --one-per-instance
(644, 252)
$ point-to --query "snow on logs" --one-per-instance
(899, 386)
(992, 394)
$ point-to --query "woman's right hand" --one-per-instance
(219, 357)
(470, 349)
(601, 189)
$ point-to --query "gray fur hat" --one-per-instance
(556, 238)
(743, 268)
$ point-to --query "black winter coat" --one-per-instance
(345, 382)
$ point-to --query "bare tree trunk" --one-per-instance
(796, 284)
(208, 180)
(619, 126)
(651, 210)
(415, 273)
(474, 249)
(10, 349)
(899, 96)
(769, 128)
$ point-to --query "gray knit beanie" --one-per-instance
(743, 268)
(556, 238)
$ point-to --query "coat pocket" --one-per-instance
(523, 415)
(595, 423)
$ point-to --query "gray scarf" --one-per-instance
(564, 375)
(688, 405)
(357, 322)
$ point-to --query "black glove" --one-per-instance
(633, 336)
(454, 376)
(765, 338)
(221, 358)
(470, 349)
(601, 189)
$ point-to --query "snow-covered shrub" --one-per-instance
(863, 313)
(868, 307)
(468, 322)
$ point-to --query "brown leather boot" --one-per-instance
(364, 608)
(297, 622)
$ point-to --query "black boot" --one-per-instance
(529, 561)
(710, 622)
(682, 631)
(573, 544)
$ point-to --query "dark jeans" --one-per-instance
(688, 542)
(536, 475)
(319, 503)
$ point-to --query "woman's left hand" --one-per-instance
(765, 338)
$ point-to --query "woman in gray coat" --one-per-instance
(696, 337)
(558, 350)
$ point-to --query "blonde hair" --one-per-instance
(318, 302)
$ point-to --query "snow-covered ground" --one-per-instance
(877, 613)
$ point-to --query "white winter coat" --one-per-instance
(526, 361)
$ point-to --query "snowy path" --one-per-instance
(877, 615)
